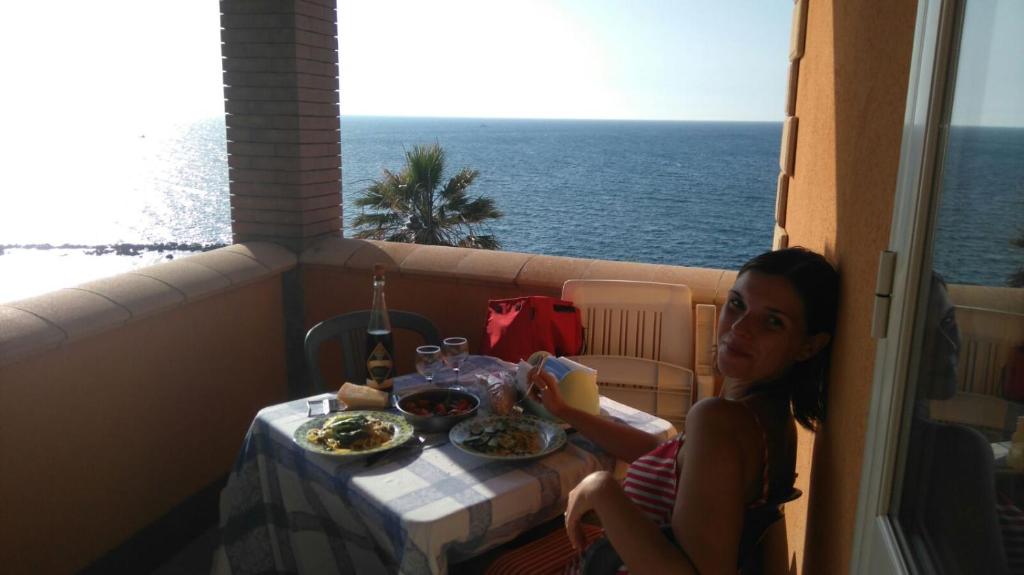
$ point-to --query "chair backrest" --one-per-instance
(349, 330)
(705, 338)
(635, 319)
(949, 508)
(649, 320)
(655, 387)
(987, 339)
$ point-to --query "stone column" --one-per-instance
(281, 106)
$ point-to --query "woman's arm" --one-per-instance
(720, 466)
(721, 472)
(624, 442)
(638, 541)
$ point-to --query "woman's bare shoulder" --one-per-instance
(729, 431)
(723, 423)
(715, 414)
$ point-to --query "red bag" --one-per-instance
(519, 326)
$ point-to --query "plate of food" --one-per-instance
(507, 438)
(353, 433)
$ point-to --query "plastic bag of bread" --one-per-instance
(500, 390)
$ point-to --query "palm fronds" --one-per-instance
(412, 206)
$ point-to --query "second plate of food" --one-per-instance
(507, 438)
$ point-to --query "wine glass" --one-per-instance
(456, 349)
(428, 360)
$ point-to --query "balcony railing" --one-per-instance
(121, 398)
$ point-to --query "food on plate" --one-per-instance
(349, 433)
(447, 407)
(503, 439)
(362, 396)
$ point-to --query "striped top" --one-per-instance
(652, 479)
(651, 483)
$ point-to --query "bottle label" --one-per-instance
(379, 367)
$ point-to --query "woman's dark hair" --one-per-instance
(817, 284)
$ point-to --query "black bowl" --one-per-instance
(436, 423)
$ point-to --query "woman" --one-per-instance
(948, 510)
(716, 492)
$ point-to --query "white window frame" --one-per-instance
(876, 546)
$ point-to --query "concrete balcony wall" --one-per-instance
(122, 397)
(451, 286)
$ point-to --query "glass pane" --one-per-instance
(960, 506)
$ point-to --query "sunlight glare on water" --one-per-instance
(84, 157)
(160, 184)
(40, 271)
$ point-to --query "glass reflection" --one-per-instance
(949, 503)
(960, 502)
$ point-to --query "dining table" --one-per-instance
(417, 509)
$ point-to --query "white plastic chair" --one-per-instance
(635, 319)
(655, 387)
(987, 339)
(650, 321)
(705, 336)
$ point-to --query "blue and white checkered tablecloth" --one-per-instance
(287, 510)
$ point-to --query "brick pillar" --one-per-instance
(281, 107)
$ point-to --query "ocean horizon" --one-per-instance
(698, 194)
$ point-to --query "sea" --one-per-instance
(681, 193)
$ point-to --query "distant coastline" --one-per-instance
(671, 192)
(594, 120)
(119, 249)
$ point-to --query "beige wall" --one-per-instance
(850, 104)
(120, 399)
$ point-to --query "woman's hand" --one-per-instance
(545, 390)
(622, 441)
(581, 500)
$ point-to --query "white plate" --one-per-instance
(552, 436)
(403, 432)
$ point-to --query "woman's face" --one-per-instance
(762, 330)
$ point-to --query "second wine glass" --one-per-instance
(428, 361)
(456, 349)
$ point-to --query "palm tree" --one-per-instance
(411, 207)
(1016, 279)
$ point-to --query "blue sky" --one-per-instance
(504, 58)
(678, 60)
(990, 76)
(144, 61)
